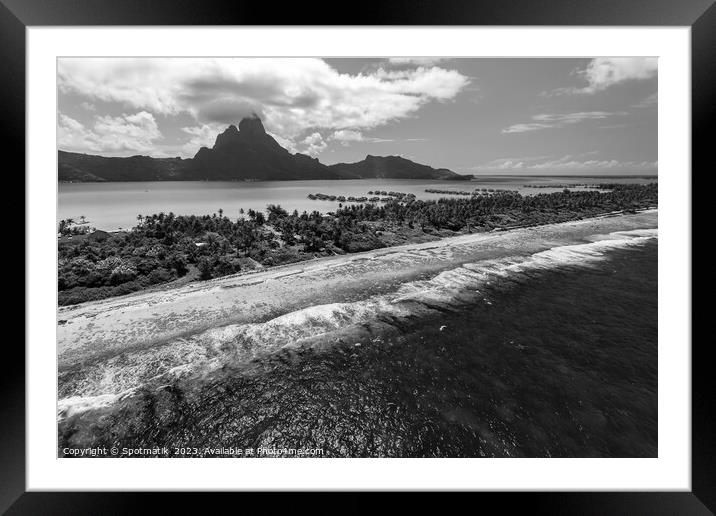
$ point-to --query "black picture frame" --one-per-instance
(700, 15)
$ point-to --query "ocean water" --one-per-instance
(552, 354)
(111, 206)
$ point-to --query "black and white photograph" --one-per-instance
(357, 257)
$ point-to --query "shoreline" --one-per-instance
(473, 323)
(475, 177)
(181, 282)
(110, 326)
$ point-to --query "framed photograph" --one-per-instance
(433, 248)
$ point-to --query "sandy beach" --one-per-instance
(102, 329)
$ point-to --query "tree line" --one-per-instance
(165, 247)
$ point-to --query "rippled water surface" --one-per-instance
(502, 359)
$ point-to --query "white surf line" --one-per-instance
(145, 318)
(242, 279)
(237, 344)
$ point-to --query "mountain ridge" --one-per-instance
(243, 153)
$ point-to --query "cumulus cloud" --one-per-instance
(607, 71)
(314, 144)
(128, 132)
(347, 135)
(287, 144)
(568, 162)
(552, 121)
(603, 72)
(293, 96)
(200, 136)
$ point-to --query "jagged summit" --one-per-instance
(250, 131)
(252, 125)
(248, 152)
(228, 137)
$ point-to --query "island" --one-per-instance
(170, 249)
(246, 153)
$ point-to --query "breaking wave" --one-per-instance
(103, 383)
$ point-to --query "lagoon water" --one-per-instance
(112, 206)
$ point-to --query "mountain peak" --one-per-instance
(250, 130)
(252, 125)
(246, 152)
(228, 137)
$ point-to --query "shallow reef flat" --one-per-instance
(101, 329)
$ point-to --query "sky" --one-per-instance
(488, 116)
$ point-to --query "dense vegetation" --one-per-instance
(388, 196)
(167, 247)
(569, 185)
(71, 227)
(476, 191)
